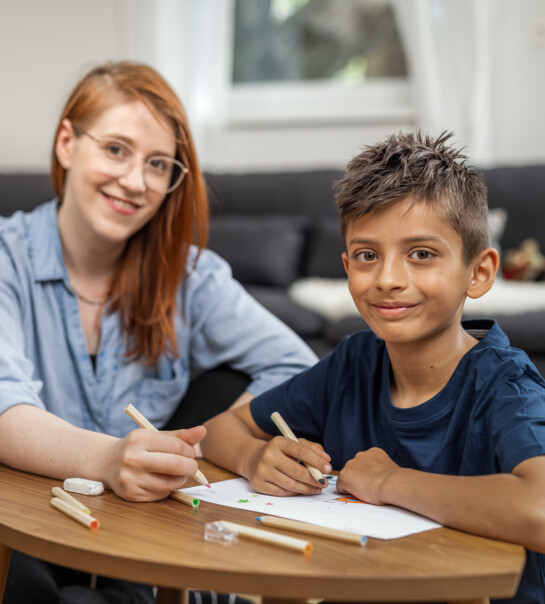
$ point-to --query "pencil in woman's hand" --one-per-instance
(287, 432)
(134, 414)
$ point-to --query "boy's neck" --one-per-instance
(421, 370)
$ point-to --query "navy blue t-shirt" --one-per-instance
(487, 419)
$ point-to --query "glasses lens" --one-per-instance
(163, 174)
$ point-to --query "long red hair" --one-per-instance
(154, 262)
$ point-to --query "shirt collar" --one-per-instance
(45, 244)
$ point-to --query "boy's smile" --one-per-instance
(406, 273)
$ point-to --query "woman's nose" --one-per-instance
(134, 179)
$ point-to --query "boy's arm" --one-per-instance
(234, 441)
(510, 507)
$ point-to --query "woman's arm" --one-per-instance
(510, 507)
(143, 466)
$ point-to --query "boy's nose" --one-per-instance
(392, 274)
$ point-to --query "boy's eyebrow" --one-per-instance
(412, 239)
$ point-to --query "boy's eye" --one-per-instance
(366, 256)
(422, 255)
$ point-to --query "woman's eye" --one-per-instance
(116, 150)
(159, 164)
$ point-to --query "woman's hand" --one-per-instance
(275, 467)
(364, 475)
(147, 466)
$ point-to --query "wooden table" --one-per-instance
(162, 543)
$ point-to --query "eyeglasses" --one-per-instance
(162, 173)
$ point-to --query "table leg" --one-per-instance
(168, 595)
(5, 557)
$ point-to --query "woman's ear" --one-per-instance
(483, 275)
(64, 144)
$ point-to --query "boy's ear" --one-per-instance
(345, 262)
(64, 144)
(485, 267)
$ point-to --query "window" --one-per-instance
(285, 40)
(317, 59)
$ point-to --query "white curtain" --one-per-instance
(448, 43)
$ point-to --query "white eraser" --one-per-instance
(83, 486)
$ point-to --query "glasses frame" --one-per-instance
(130, 164)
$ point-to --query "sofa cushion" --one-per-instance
(303, 321)
(264, 250)
(23, 192)
(324, 257)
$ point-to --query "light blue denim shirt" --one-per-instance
(43, 354)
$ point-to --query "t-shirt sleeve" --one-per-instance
(514, 428)
(303, 400)
(230, 326)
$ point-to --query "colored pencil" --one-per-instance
(312, 529)
(62, 494)
(267, 537)
(287, 432)
(85, 519)
(189, 500)
(134, 414)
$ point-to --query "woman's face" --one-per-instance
(97, 201)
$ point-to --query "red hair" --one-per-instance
(154, 262)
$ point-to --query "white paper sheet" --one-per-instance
(329, 509)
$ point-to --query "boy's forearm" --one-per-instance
(230, 444)
(501, 506)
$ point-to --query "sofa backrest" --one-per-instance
(277, 227)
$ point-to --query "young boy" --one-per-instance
(423, 411)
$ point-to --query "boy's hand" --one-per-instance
(275, 467)
(147, 466)
(364, 475)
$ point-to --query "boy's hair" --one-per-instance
(426, 169)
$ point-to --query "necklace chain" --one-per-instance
(93, 301)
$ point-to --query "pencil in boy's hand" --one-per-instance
(134, 414)
(287, 432)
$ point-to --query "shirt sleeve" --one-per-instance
(230, 326)
(305, 401)
(509, 423)
(18, 384)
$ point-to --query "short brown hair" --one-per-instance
(426, 169)
(154, 263)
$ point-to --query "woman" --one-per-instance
(107, 297)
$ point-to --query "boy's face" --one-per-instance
(406, 273)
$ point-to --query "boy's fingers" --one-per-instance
(303, 452)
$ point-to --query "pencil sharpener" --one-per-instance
(219, 533)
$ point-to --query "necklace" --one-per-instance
(93, 301)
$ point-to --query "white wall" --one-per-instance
(45, 46)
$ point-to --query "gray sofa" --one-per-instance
(278, 228)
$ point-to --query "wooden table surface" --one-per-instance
(162, 543)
